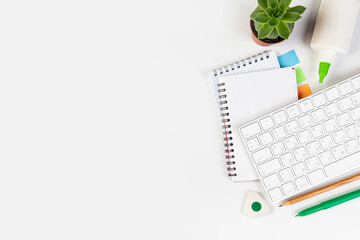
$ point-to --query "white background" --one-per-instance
(108, 129)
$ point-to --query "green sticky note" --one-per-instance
(300, 77)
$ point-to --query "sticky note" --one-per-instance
(304, 91)
(288, 59)
(300, 77)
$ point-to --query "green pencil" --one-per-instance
(330, 203)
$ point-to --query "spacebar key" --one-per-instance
(342, 165)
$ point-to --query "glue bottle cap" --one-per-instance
(323, 70)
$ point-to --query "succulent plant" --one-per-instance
(273, 18)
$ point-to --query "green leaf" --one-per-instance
(265, 31)
(257, 11)
(273, 35)
(283, 30)
(290, 17)
(273, 22)
(258, 25)
(285, 3)
(290, 26)
(272, 3)
(262, 3)
(297, 9)
(269, 11)
(261, 18)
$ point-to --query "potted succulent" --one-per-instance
(273, 21)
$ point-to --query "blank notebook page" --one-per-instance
(248, 96)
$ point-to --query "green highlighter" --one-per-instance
(330, 203)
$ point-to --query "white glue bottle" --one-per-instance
(333, 31)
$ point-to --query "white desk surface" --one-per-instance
(108, 129)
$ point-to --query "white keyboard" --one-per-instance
(308, 143)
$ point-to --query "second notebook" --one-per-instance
(245, 97)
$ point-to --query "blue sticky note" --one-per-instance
(288, 59)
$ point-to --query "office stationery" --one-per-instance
(330, 203)
(307, 144)
(300, 76)
(288, 59)
(255, 205)
(304, 91)
(247, 96)
(321, 190)
(331, 38)
(259, 62)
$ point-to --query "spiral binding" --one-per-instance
(241, 63)
(225, 118)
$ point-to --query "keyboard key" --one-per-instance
(266, 138)
(318, 115)
(316, 176)
(279, 132)
(305, 121)
(275, 194)
(286, 174)
(331, 109)
(304, 136)
(293, 111)
(300, 153)
(326, 142)
(351, 146)
(301, 182)
(313, 147)
(269, 167)
(330, 125)
(288, 188)
(267, 123)
(356, 82)
(325, 157)
(262, 155)
(291, 142)
(338, 152)
(253, 144)
(355, 98)
(292, 127)
(339, 136)
(271, 181)
(299, 169)
(250, 130)
(355, 113)
(306, 106)
(312, 163)
(332, 94)
(278, 148)
(319, 100)
(342, 165)
(287, 159)
(343, 119)
(345, 88)
(280, 117)
(317, 131)
(352, 130)
(344, 104)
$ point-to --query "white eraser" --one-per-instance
(255, 205)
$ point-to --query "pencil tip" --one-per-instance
(280, 206)
(296, 215)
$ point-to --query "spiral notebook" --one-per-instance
(233, 87)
